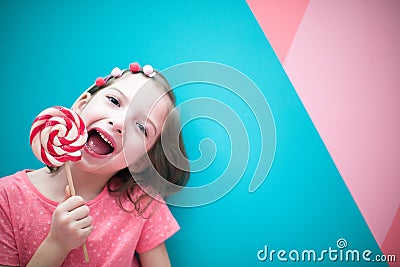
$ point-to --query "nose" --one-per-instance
(115, 126)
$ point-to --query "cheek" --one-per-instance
(92, 109)
(87, 116)
(133, 150)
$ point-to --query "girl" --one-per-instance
(42, 225)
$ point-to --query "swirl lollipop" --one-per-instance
(57, 136)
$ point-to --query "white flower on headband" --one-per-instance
(116, 72)
(148, 71)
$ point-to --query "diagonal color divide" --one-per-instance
(344, 71)
(279, 21)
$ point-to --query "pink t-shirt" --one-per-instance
(25, 218)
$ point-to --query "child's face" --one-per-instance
(123, 121)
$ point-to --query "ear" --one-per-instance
(81, 102)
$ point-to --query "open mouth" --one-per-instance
(98, 143)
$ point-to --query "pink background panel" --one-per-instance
(344, 64)
(391, 244)
(279, 21)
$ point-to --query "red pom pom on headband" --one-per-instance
(100, 81)
(133, 67)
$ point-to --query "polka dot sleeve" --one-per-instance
(157, 228)
(8, 246)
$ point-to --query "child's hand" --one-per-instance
(71, 223)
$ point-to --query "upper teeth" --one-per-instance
(105, 138)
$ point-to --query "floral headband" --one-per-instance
(133, 67)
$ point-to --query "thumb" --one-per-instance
(67, 192)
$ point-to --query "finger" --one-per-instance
(87, 231)
(84, 233)
(79, 213)
(84, 223)
(71, 203)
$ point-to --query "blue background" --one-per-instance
(52, 51)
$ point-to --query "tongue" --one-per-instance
(98, 145)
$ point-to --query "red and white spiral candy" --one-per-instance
(57, 135)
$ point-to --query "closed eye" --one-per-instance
(113, 100)
(142, 128)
